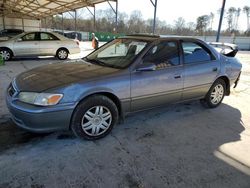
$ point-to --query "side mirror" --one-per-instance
(146, 67)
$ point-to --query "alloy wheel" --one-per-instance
(217, 94)
(62, 54)
(5, 54)
(96, 120)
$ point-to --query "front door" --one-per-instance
(163, 85)
(27, 45)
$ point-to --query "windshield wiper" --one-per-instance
(98, 62)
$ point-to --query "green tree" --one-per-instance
(230, 18)
(202, 23)
(246, 10)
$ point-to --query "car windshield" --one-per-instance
(117, 54)
(17, 36)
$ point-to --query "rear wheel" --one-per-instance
(215, 95)
(94, 118)
(62, 54)
(6, 54)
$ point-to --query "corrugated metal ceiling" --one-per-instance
(39, 9)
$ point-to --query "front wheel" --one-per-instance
(94, 118)
(6, 54)
(215, 95)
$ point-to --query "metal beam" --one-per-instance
(155, 9)
(221, 18)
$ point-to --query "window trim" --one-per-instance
(165, 40)
(35, 39)
(213, 58)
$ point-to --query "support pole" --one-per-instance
(4, 23)
(220, 22)
(94, 20)
(75, 20)
(93, 14)
(116, 13)
(23, 24)
(45, 22)
(155, 9)
(62, 24)
(52, 23)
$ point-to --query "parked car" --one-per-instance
(128, 74)
(6, 34)
(38, 44)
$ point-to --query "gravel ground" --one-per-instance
(181, 145)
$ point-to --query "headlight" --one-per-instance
(42, 99)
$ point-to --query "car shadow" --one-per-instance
(38, 58)
(171, 145)
(12, 136)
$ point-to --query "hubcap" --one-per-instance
(96, 121)
(217, 94)
(5, 54)
(62, 54)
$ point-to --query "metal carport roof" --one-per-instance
(42, 8)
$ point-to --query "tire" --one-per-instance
(62, 54)
(94, 117)
(215, 94)
(6, 54)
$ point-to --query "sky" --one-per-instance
(170, 10)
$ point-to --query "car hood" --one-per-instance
(60, 74)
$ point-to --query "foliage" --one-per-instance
(134, 23)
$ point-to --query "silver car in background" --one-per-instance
(38, 44)
(129, 74)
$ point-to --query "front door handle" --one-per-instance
(177, 76)
(215, 69)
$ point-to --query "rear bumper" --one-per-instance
(40, 119)
(237, 80)
(74, 50)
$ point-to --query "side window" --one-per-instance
(48, 36)
(163, 55)
(29, 37)
(195, 52)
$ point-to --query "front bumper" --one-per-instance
(40, 119)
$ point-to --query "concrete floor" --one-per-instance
(181, 145)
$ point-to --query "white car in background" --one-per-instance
(38, 44)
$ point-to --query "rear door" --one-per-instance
(27, 45)
(48, 43)
(163, 85)
(200, 69)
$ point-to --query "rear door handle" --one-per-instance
(215, 69)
